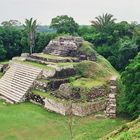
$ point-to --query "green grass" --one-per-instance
(42, 94)
(107, 66)
(32, 122)
(1, 74)
(129, 131)
(52, 56)
(87, 82)
(47, 95)
(43, 80)
(4, 62)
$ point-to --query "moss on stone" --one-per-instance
(87, 83)
(87, 48)
(49, 96)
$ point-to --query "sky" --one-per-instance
(83, 11)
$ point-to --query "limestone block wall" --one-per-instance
(39, 85)
(65, 107)
(84, 109)
(111, 105)
(57, 107)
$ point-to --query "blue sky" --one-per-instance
(83, 11)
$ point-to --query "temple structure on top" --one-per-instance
(70, 46)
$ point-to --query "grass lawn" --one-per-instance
(31, 122)
(1, 74)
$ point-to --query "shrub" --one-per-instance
(129, 102)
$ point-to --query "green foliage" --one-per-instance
(117, 42)
(14, 41)
(87, 48)
(30, 27)
(128, 131)
(104, 23)
(64, 24)
(2, 52)
(10, 44)
(100, 70)
(42, 40)
(129, 100)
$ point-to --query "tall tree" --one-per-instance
(30, 27)
(64, 24)
(11, 23)
(104, 22)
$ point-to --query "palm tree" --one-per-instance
(30, 27)
(103, 22)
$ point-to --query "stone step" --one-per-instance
(37, 61)
(20, 75)
(17, 81)
(6, 99)
(8, 94)
(24, 66)
(17, 86)
(13, 89)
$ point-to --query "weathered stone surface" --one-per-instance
(65, 91)
(44, 60)
(111, 105)
(54, 84)
(48, 73)
(64, 73)
(36, 99)
(19, 58)
(78, 109)
(42, 86)
(64, 46)
(4, 67)
(96, 92)
(57, 107)
(25, 55)
(88, 108)
(68, 46)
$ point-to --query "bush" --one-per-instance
(2, 53)
(129, 101)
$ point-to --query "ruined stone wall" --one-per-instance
(65, 107)
(111, 104)
(58, 107)
(84, 109)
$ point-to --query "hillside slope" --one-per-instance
(129, 131)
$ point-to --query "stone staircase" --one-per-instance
(17, 81)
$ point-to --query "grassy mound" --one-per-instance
(32, 122)
(94, 73)
(129, 131)
(87, 48)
